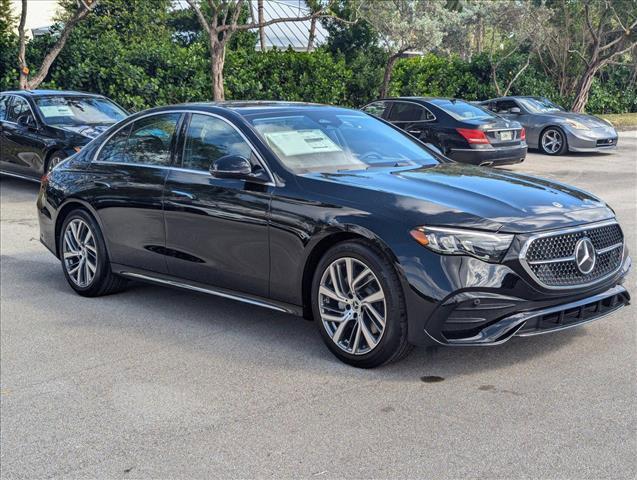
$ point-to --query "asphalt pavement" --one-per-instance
(161, 383)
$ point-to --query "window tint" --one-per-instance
(115, 149)
(209, 138)
(18, 107)
(4, 102)
(146, 142)
(377, 109)
(406, 112)
(504, 106)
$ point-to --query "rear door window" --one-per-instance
(409, 112)
(4, 103)
(147, 141)
(505, 106)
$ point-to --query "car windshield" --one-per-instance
(540, 105)
(75, 111)
(462, 110)
(327, 141)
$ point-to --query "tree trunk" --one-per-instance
(217, 61)
(22, 41)
(584, 88)
(310, 40)
(389, 69)
(261, 19)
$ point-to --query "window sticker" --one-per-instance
(56, 111)
(302, 142)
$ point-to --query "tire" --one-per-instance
(55, 158)
(359, 338)
(80, 249)
(553, 141)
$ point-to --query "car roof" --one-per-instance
(49, 93)
(245, 108)
(422, 99)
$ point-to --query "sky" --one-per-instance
(39, 12)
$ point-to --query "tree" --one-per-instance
(8, 46)
(514, 30)
(611, 31)
(83, 8)
(221, 19)
(404, 25)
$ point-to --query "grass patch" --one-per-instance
(621, 121)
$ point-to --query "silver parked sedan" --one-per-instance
(554, 130)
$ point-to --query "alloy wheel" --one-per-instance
(352, 306)
(552, 141)
(80, 253)
(53, 162)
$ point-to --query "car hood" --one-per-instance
(88, 131)
(589, 120)
(471, 197)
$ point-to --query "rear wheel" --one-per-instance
(359, 307)
(84, 257)
(553, 141)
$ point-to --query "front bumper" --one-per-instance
(551, 319)
(602, 139)
(489, 156)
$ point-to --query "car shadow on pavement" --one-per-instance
(217, 327)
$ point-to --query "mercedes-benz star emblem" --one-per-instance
(585, 255)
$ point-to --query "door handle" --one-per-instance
(415, 131)
(182, 194)
(98, 183)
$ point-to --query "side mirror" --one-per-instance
(236, 166)
(515, 110)
(26, 120)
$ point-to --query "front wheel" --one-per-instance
(84, 257)
(359, 307)
(553, 141)
(54, 160)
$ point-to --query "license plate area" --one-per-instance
(506, 136)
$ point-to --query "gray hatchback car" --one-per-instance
(554, 130)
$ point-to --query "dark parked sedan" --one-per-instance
(40, 128)
(464, 132)
(332, 214)
(552, 129)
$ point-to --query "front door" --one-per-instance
(22, 144)
(216, 229)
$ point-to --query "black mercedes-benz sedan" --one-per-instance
(40, 128)
(462, 131)
(335, 215)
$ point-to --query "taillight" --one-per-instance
(472, 135)
(523, 134)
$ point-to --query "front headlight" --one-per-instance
(489, 247)
(576, 125)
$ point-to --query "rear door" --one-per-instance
(4, 156)
(416, 120)
(217, 229)
(129, 173)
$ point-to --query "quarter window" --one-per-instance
(18, 107)
(209, 138)
(148, 141)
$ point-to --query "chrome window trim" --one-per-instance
(552, 233)
(171, 167)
